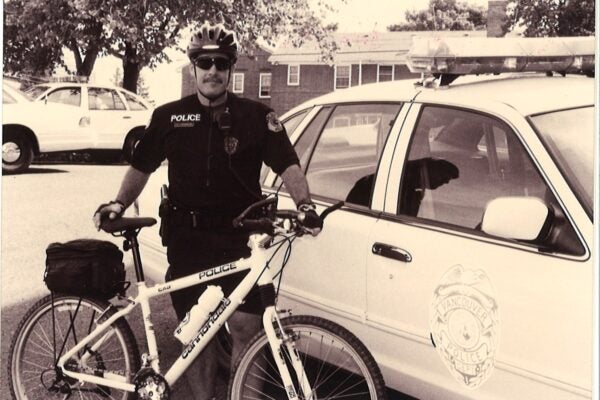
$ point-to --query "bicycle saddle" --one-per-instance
(126, 224)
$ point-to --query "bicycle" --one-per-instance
(69, 345)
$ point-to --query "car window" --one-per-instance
(35, 91)
(7, 98)
(70, 96)
(306, 141)
(104, 99)
(458, 161)
(343, 162)
(134, 104)
(568, 136)
(290, 125)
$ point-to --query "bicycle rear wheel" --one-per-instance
(48, 330)
(336, 363)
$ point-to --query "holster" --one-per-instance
(165, 214)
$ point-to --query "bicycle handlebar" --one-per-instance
(276, 223)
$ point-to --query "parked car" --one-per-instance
(463, 257)
(28, 127)
(92, 117)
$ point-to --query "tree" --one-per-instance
(138, 31)
(552, 17)
(142, 88)
(36, 31)
(444, 15)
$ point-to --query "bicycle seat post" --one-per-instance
(131, 243)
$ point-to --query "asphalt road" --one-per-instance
(55, 203)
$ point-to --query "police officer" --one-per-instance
(215, 144)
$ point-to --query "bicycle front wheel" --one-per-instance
(52, 327)
(336, 364)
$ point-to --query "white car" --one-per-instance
(463, 257)
(70, 116)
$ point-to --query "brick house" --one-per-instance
(299, 74)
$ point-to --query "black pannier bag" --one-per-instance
(85, 267)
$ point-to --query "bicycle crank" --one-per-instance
(151, 386)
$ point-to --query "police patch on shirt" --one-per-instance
(273, 123)
(230, 144)
(185, 120)
(464, 324)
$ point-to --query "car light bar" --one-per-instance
(467, 55)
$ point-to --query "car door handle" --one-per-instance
(385, 250)
(127, 117)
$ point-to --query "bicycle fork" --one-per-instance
(276, 343)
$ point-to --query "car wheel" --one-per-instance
(17, 153)
(131, 142)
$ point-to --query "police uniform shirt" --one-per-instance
(204, 161)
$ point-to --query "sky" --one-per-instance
(164, 82)
(376, 15)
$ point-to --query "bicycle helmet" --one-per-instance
(213, 39)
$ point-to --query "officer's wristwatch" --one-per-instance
(306, 207)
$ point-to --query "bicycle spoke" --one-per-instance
(45, 339)
(42, 351)
(34, 364)
(260, 392)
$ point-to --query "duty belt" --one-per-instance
(202, 220)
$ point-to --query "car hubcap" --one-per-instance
(11, 152)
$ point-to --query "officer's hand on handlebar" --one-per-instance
(110, 210)
(310, 221)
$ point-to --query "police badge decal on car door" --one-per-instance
(464, 324)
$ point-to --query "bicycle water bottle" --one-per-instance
(193, 320)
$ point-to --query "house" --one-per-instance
(299, 74)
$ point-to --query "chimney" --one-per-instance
(496, 17)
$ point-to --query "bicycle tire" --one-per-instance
(32, 352)
(325, 349)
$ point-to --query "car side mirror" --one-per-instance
(519, 218)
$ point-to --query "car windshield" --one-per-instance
(568, 135)
(35, 91)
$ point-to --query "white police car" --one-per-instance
(463, 258)
(72, 116)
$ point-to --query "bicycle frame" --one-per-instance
(258, 273)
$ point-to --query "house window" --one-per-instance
(238, 82)
(264, 86)
(385, 73)
(293, 75)
(342, 76)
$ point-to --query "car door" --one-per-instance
(138, 111)
(109, 117)
(477, 316)
(326, 276)
(62, 124)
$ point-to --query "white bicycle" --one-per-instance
(78, 347)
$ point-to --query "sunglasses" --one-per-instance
(222, 64)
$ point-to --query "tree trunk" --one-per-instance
(85, 66)
(131, 69)
(88, 62)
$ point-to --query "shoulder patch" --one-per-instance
(273, 123)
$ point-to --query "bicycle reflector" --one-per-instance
(467, 55)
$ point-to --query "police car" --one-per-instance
(463, 257)
(72, 116)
